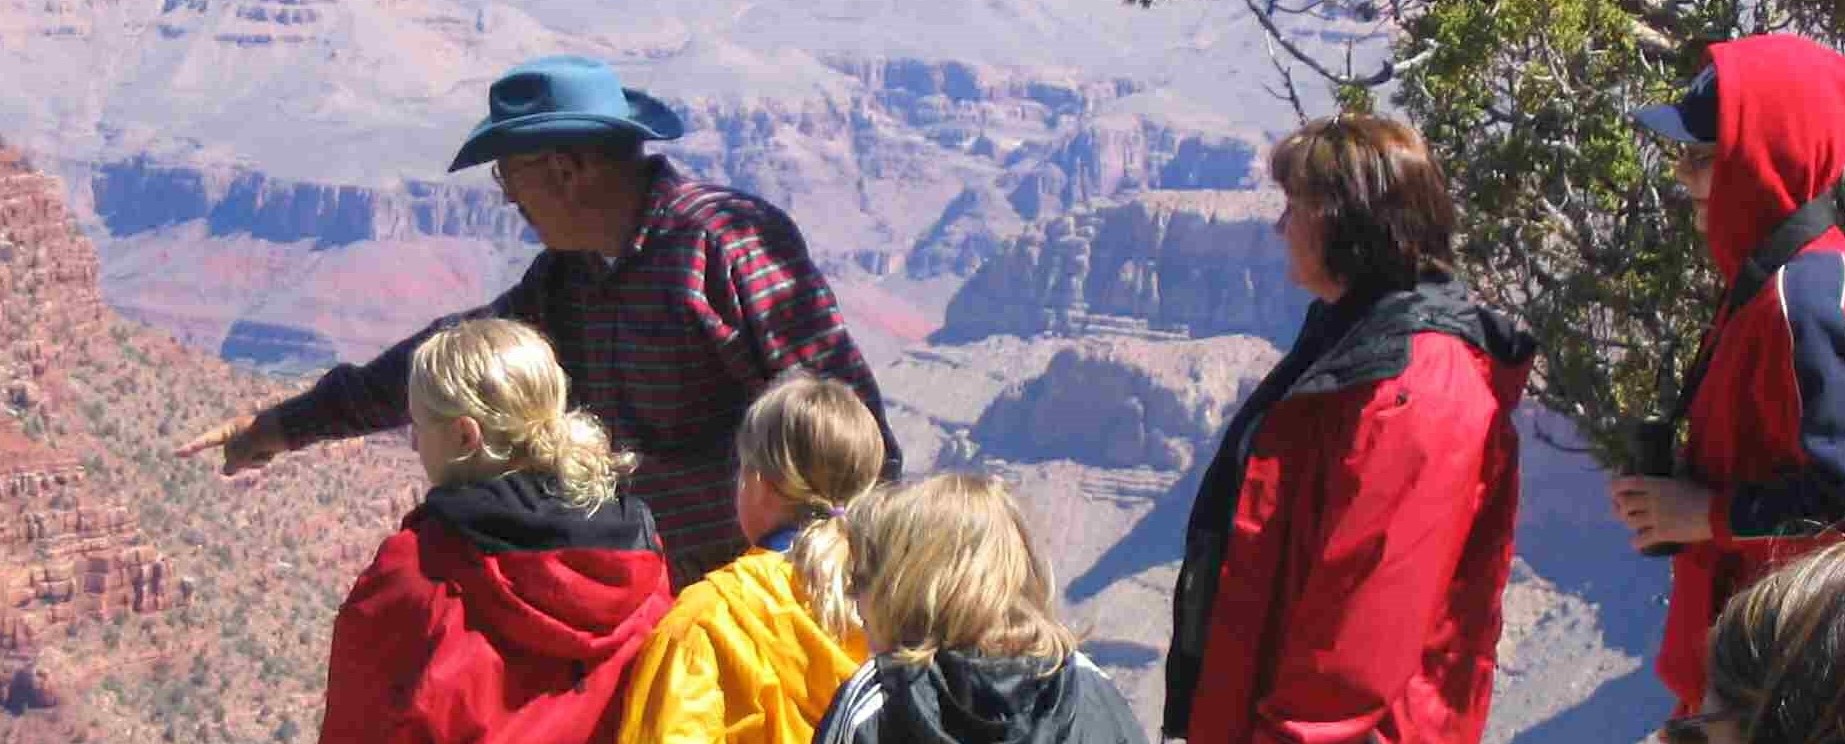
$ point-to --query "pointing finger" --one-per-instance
(214, 438)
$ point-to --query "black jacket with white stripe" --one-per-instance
(976, 700)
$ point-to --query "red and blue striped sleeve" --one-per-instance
(351, 400)
(1811, 497)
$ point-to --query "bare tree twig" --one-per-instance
(1559, 72)
(1384, 73)
(1658, 13)
(1287, 78)
(1275, 6)
(1563, 221)
(1496, 115)
(1653, 40)
(1417, 60)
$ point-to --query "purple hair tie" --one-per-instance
(836, 512)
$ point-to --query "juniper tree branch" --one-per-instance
(1275, 6)
(1287, 78)
(1387, 71)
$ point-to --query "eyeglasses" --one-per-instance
(1698, 156)
(501, 177)
(1690, 729)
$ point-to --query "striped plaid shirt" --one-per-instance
(668, 343)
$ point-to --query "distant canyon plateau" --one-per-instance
(1048, 223)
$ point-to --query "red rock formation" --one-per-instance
(15, 633)
(80, 389)
(66, 549)
(66, 552)
(31, 687)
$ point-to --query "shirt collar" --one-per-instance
(664, 184)
(780, 540)
(663, 188)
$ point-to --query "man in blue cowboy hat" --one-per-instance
(671, 303)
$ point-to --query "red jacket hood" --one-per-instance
(1780, 143)
(553, 579)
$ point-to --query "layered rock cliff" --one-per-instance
(917, 166)
(1125, 403)
(68, 551)
(1117, 154)
(1158, 265)
(149, 597)
(41, 253)
(1105, 442)
(139, 195)
(869, 171)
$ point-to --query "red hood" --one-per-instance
(552, 579)
(1780, 137)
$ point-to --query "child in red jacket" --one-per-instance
(510, 603)
(1761, 476)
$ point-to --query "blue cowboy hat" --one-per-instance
(562, 100)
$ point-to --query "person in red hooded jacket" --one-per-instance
(510, 604)
(1351, 540)
(1762, 474)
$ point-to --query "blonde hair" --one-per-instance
(1777, 653)
(948, 563)
(504, 375)
(819, 447)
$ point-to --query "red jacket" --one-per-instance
(1767, 425)
(1351, 541)
(497, 614)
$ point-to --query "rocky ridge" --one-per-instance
(149, 597)
(1051, 414)
(1140, 404)
(68, 550)
(67, 553)
(139, 195)
(1159, 265)
(272, 552)
(865, 173)
(914, 167)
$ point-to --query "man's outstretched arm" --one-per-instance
(352, 400)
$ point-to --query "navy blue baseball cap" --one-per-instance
(1693, 118)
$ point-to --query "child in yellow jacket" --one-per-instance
(755, 651)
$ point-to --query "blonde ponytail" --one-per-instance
(817, 445)
(575, 448)
(504, 375)
(821, 559)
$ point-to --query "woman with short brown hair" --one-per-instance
(1372, 189)
(1349, 542)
